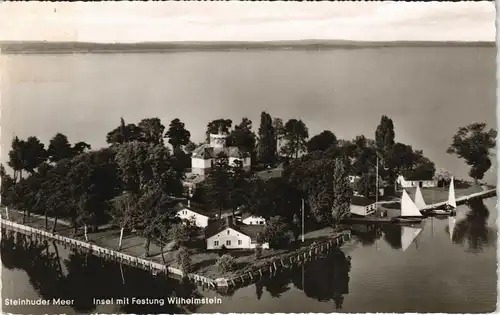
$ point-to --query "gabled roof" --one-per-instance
(205, 151)
(216, 226)
(361, 201)
(270, 173)
(180, 206)
(246, 215)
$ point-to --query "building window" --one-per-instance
(216, 243)
(228, 243)
(261, 222)
(227, 232)
(239, 242)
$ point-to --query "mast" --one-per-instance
(302, 220)
(376, 183)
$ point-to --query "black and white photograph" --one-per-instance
(248, 157)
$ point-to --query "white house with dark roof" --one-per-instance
(233, 236)
(409, 181)
(363, 206)
(204, 155)
(196, 216)
(249, 219)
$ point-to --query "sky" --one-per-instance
(128, 22)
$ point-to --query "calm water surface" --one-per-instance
(429, 92)
(390, 270)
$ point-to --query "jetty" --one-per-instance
(487, 193)
(34, 230)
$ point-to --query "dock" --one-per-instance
(133, 258)
(464, 199)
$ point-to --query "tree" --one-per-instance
(443, 176)
(242, 136)
(34, 153)
(267, 139)
(384, 136)
(279, 132)
(226, 263)
(222, 125)
(123, 133)
(184, 260)
(140, 163)
(122, 213)
(276, 232)
(423, 168)
(322, 142)
(401, 158)
(238, 191)
(189, 147)
(16, 157)
(296, 135)
(177, 134)
(473, 144)
(342, 191)
(81, 147)
(6, 186)
(217, 184)
(180, 233)
(59, 148)
(366, 185)
(151, 130)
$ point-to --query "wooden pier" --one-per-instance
(245, 277)
(464, 199)
(107, 253)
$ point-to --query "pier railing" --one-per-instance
(105, 252)
(464, 199)
(297, 257)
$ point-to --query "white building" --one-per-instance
(203, 157)
(233, 236)
(362, 206)
(252, 219)
(199, 218)
(407, 182)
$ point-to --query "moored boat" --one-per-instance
(449, 207)
(409, 211)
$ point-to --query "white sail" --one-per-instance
(419, 199)
(408, 235)
(408, 208)
(451, 226)
(451, 195)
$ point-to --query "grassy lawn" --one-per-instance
(202, 260)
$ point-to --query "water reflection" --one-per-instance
(83, 277)
(324, 280)
(473, 231)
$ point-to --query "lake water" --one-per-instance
(391, 269)
(429, 93)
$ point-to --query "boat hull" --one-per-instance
(440, 212)
(407, 220)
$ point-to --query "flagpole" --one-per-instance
(302, 220)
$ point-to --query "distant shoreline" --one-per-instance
(35, 47)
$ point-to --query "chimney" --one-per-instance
(229, 220)
(189, 203)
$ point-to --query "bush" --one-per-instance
(226, 263)
(184, 260)
(276, 232)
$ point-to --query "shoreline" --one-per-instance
(39, 47)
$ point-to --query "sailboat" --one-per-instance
(409, 211)
(408, 235)
(450, 205)
(419, 199)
